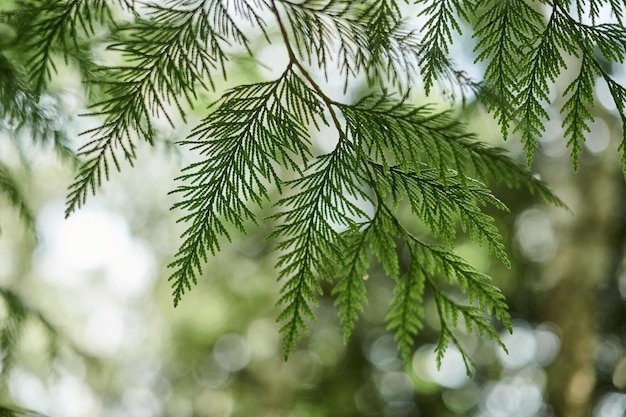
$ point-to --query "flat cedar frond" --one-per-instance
(427, 262)
(474, 319)
(618, 92)
(441, 260)
(394, 132)
(382, 244)
(407, 310)
(395, 51)
(439, 203)
(441, 25)
(309, 228)
(168, 56)
(525, 55)
(250, 131)
(365, 36)
(506, 31)
(577, 107)
(610, 41)
(55, 27)
(593, 8)
(351, 274)
(541, 66)
(323, 31)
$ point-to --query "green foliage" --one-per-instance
(443, 22)
(52, 27)
(335, 213)
(526, 54)
(252, 129)
(17, 312)
(25, 114)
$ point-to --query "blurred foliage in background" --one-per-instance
(88, 328)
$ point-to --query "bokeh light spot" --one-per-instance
(513, 397)
(451, 374)
(619, 375)
(548, 343)
(535, 236)
(328, 345)
(92, 240)
(263, 338)
(304, 369)
(611, 405)
(383, 353)
(461, 400)
(232, 352)
(522, 347)
(105, 331)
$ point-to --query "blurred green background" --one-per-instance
(87, 301)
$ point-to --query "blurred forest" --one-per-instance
(87, 302)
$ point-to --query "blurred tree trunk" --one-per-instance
(585, 260)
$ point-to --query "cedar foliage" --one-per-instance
(337, 212)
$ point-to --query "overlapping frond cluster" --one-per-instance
(443, 21)
(388, 151)
(167, 55)
(404, 165)
(308, 226)
(252, 129)
(358, 37)
(336, 214)
(25, 113)
(380, 122)
(49, 29)
(525, 54)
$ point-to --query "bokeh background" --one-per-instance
(87, 302)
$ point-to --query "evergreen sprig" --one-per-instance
(394, 132)
(51, 28)
(427, 264)
(505, 31)
(593, 8)
(322, 203)
(525, 56)
(577, 107)
(253, 129)
(351, 274)
(443, 21)
(440, 203)
(406, 310)
(168, 55)
(364, 37)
